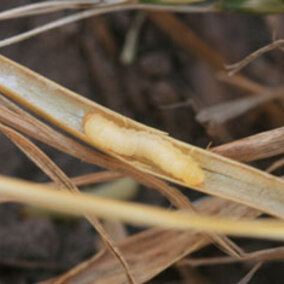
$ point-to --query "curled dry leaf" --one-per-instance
(223, 177)
(79, 147)
(263, 145)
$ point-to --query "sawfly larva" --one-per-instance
(108, 136)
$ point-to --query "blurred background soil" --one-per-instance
(164, 86)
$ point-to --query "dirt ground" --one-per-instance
(164, 86)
